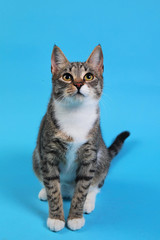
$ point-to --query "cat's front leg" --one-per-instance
(84, 178)
(51, 182)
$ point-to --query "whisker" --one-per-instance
(104, 95)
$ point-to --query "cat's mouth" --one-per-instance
(78, 94)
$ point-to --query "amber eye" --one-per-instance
(67, 77)
(88, 77)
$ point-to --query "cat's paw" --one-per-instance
(76, 223)
(89, 206)
(42, 195)
(55, 224)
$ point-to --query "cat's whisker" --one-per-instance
(62, 97)
(104, 95)
(104, 104)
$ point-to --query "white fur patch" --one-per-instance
(89, 205)
(85, 90)
(76, 223)
(77, 121)
(42, 194)
(68, 171)
(55, 224)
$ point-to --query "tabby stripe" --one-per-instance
(44, 170)
(50, 187)
(85, 68)
(56, 209)
(46, 183)
(54, 191)
(55, 200)
(85, 178)
(80, 191)
(91, 161)
(53, 151)
(48, 197)
(52, 164)
(85, 187)
(90, 150)
(86, 163)
(79, 199)
(101, 184)
(51, 178)
(58, 216)
(94, 160)
(78, 215)
(84, 195)
(61, 145)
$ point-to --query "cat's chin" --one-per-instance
(77, 100)
(79, 96)
(74, 100)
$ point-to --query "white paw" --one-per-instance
(76, 223)
(89, 206)
(42, 194)
(55, 224)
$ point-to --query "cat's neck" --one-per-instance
(77, 121)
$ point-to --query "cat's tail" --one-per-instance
(117, 144)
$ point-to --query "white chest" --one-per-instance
(76, 122)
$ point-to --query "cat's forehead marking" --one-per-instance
(77, 68)
(73, 65)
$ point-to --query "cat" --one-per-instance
(70, 158)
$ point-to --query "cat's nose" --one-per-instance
(78, 84)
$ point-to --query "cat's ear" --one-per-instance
(58, 59)
(96, 59)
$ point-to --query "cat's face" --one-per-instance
(77, 82)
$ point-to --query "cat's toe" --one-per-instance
(89, 206)
(42, 194)
(55, 224)
(76, 223)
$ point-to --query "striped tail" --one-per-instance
(117, 144)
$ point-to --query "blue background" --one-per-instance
(129, 32)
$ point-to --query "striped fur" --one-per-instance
(71, 159)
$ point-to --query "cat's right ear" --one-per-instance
(58, 59)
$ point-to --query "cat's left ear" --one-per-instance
(58, 60)
(96, 59)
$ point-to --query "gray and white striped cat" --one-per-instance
(71, 159)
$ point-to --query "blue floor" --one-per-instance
(128, 206)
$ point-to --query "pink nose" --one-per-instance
(78, 84)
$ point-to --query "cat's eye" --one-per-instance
(88, 77)
(67, 77)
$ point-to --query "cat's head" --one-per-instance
(77, 82)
